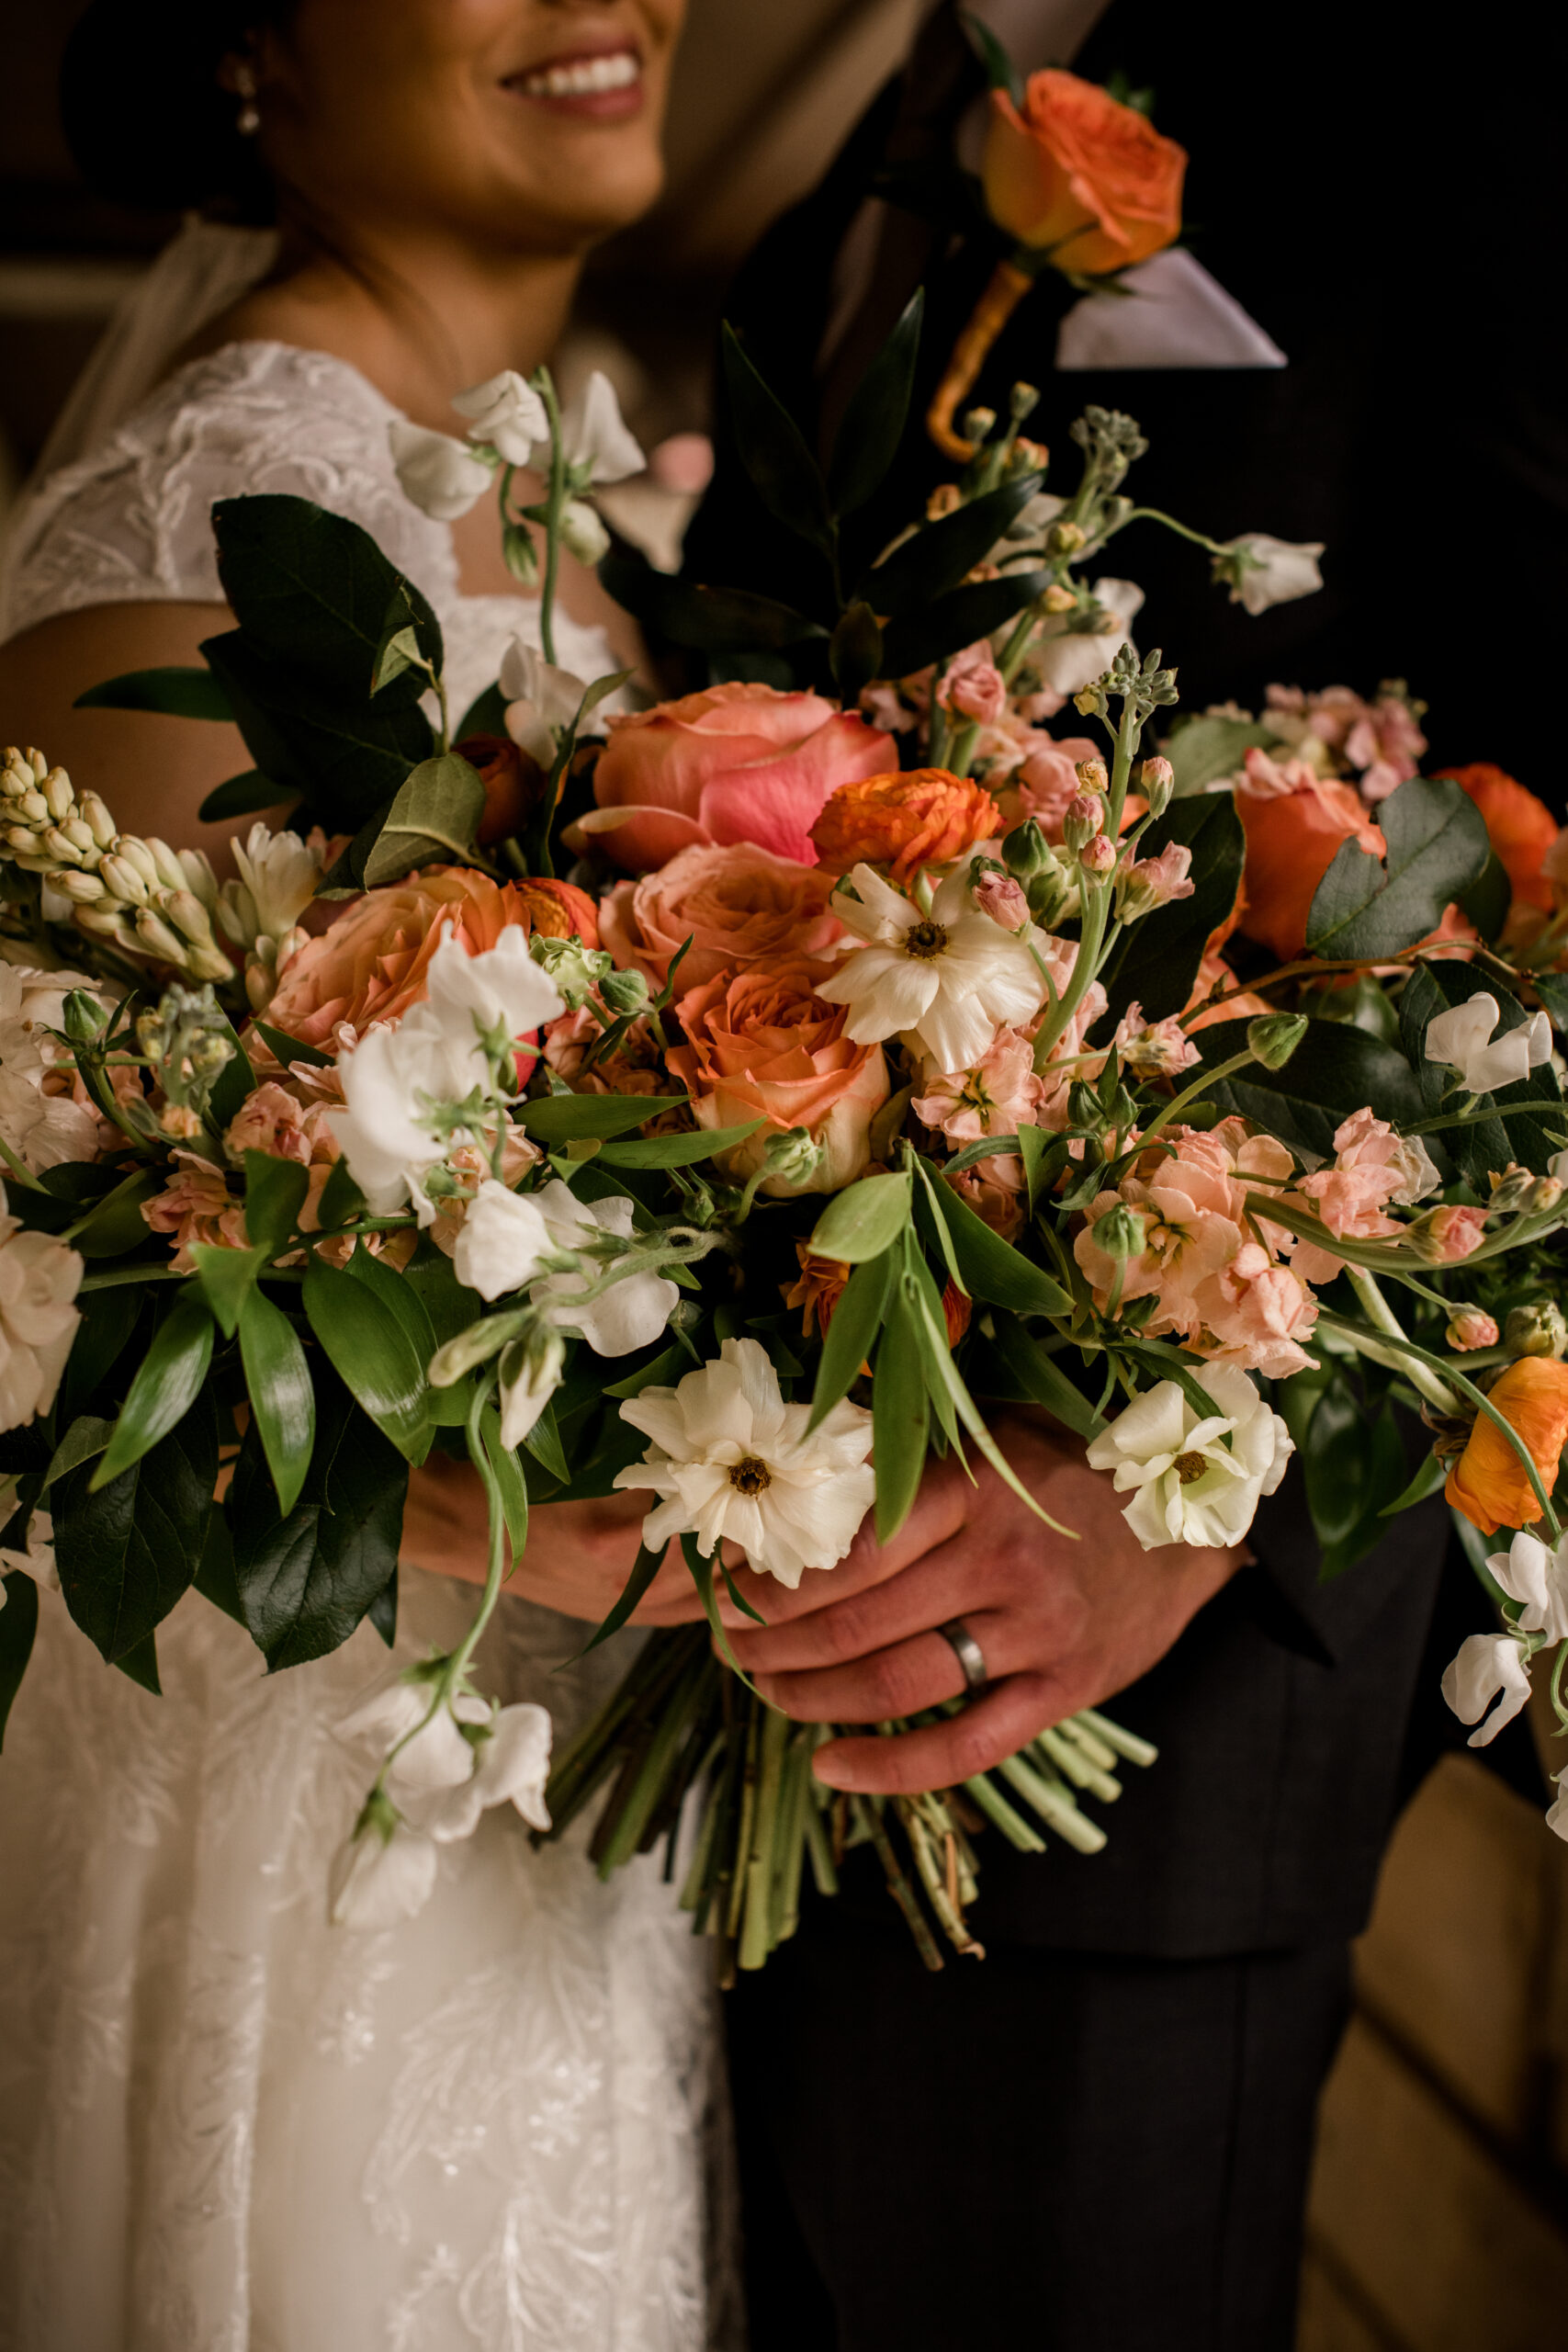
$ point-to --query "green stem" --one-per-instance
(1381, 1315)
(1557, 1706)
(23, 1175)
(1096, 899)
(1156, 514)
(555, 501)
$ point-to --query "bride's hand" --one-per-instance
(577, 1556)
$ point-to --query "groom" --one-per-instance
(1099, 2138)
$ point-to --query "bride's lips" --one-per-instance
(603, 83)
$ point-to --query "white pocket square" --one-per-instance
(1173, 315)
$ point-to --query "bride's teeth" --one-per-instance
(584, 79)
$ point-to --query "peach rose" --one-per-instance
(1489, 1483)
(764, 1046)
(513, 782)
(1090, 180)
(1522, 828)
(739, 763)
(738, 906)
(908, 818)
(371, 963)
(1294, 821)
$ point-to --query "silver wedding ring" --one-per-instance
(968, 1651)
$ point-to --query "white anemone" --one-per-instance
(1199, 1478)
(949, 979)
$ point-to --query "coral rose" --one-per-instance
(739, 762)
(1522, 828)
(900, 821)
(1489, 1483)
(513, 782)
(738, 906)
(1294, 821)
(374, 961)
(1079, 174)
(764, 1046)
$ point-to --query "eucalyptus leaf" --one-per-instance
(1370, 907)
(863, 1220)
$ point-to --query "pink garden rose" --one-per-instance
(734, 764)
(739, 906)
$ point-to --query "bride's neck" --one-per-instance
(420, 324)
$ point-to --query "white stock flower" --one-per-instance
(39, 1280)
(507, 413)
(1192, 1485)
(1489, 1665)
(279, 873)
(381, 1877)
(631, 1312)
(1069, 659)
(1462, 1037)
(1536, 1574)
(44, 1129)
(733, 1463)
(503, 1240)
(502, 988)
(1263, 570)
(540, 699)
(949, 980)
(442, 477)
(598, 445)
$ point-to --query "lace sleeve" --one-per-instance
(130, 523)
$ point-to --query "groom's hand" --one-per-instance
(1061, 1624)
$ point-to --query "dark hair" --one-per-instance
(144, 115)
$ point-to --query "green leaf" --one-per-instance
(117, 1226)
(1429, 1481)
(18, 1624)
(1033, 1144)
(863, 1220)
(126, 1550)
(940, 554)
(290, 1049)
(434, 816)
(214, 1577)
(274, 1194)
(278, 1381)
(857, 1319)
(1042, 1379)
(508, 1473)
(401, 1298)
(1155, 960)
(662, 1372)
(486, 715)
(874, 422)
(341, 1196)
(1487, 900)
(332, 747)
(956, 620)
(854, 653)
(312, 589)
(675, 1151)
(543, 1442)
(240, 797)
(900, 1416)
(370, 1353)
(710, 620)
(1000, 71)
(644, 1569)
(84, 1441)
(400, 651)
(108, 1318)
(227, 1278)
(1203, 750)
(166, 1387)
(567, 1118)
(234, 1081)
(180, 691)
(1437, 846)
(1334, 1070)
(787, 477)
(702, 1576)
(991, 1268)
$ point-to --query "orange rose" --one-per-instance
(513, 782)
(763, 1045)
(919, 817)
(1081, 176)
(1522, 828)
(738, 907)
(1294, 821)
(735, 764)
(1489, 1483)
(372, 964)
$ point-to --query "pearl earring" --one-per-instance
(248, 122)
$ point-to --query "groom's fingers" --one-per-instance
(948, 1581)
(942, 1755)
(941, 1510)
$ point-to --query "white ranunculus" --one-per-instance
(506, 412)
(598, 445)
(530, 1375)
(503, 1240)
(443, 477)
(379, 1879)
(1462, 1037)
(1261, 570)
(39, 1280)
(279, 873)
(1068, 660)
(540, 699)
(584, 533)
(388, 1079)
(1199, 1480)
(501, 989)
(1489, 1665)
(1536, 1574)
(949, 980)
(732, 1463)
(632, 1312)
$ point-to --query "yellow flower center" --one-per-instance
(925, 939)
(1190, 1467)
(750, 1476)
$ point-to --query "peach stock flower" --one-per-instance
(736, 763)
(764, 1046)
(1000, 1094)
(1489, 1483)
(1081, 176)
(1294, 821)
(1522, 828)
(903, 821)
(197, 1205)
(739, 906)
(1371, 1167)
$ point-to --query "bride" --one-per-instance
(224, 2125)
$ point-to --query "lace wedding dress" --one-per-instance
(225, 2126)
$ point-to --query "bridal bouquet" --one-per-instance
(909, 1032)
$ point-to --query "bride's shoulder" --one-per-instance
(129, 521)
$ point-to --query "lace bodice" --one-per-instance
(129, 523)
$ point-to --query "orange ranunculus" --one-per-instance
(374, 961)
(914, 817)
(816, 1290)
(513, 782)
(1080, 175)
(1489, 1483)
(1522, 828)
(1294, 821)
(764, 1046)
(739, 906)
(558, 909)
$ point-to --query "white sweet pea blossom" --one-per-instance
(597, 442)
(278, 878)
(501, 991)
(44, 1128)
(390, 1079)
(503, 1240)
(1557, 1811)
(1261, 570)
(1489, 1666)
(540, 699)
(1199, 1480)
(1068, 659)
(949, 979)
(631, 1312)
(1462, 1037)
(442, 477)
(530, 1375)
(39, 1280)
(584, 533)
(733, 1462)
(381, 1876)
(1536, 1574)
(507, 413)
